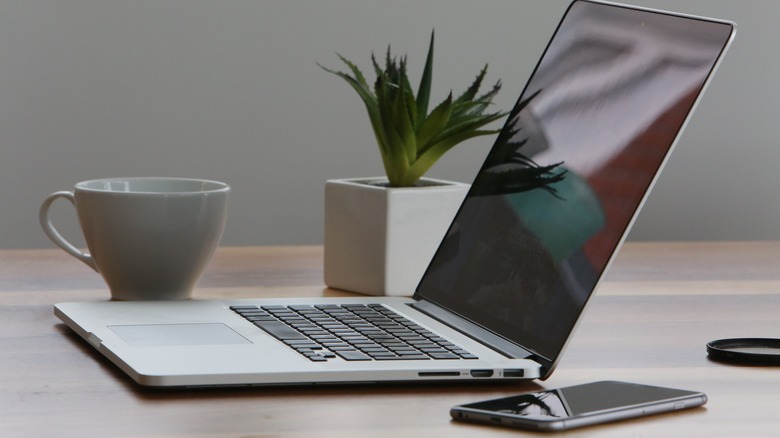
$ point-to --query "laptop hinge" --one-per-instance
(479, 334)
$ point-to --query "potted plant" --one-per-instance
(381, 233)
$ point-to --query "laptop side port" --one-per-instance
(438, 373)
(514, 373)
(481, 373)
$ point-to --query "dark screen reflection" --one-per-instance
(580, 399)
(538, 404)
(570, 168)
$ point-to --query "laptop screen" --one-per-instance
(569, 170)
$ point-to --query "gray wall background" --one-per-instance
(230, 90)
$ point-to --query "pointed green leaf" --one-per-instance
(395, 151)
(355, 70)
(488, 97)
(457, 128)
(411, 106)
(377, 68)
(368, 98)
(435, 123)
(470, 92)
(401, 122)
(424, 90)
(482, 102)
(432, 155)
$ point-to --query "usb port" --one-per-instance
(481, 373)
(514, 373)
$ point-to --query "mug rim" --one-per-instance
(213, 186)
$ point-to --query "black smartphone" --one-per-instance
(577, 406)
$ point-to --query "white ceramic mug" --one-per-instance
(150, 238)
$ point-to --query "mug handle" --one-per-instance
(54, 235)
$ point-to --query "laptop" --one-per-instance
(503, 293)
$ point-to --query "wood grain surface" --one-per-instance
(648, 323)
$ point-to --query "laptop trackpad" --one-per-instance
(157, 335)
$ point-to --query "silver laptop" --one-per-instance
(535, 234)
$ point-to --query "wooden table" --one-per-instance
(648, 323)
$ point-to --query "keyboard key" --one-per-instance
(324, 339)
(402, 351)
(393, 344)
(313, 349)
(406, 352)
(428, 350)
(243, 307)
(331, 341)
(423, 344)
(368, 346)
(279, 330)
(261, 318)
(351, 355)
(354, 306)
(418, 357)
(444, 356)
(254, 312)
(295, 342)
(300, 307)
(376, 354)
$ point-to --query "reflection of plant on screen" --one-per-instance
(533, 404)
(507, 170)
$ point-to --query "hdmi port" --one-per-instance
(481, 373)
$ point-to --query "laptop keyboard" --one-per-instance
(353, 332)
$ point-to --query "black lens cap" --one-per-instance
(752, 351)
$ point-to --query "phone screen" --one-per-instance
(579, 400)
(577, 406)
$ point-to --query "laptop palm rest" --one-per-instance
(168, 335)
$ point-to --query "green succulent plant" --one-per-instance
(410, 138)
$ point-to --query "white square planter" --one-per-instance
(379, 240)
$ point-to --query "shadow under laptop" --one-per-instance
(476, 389)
